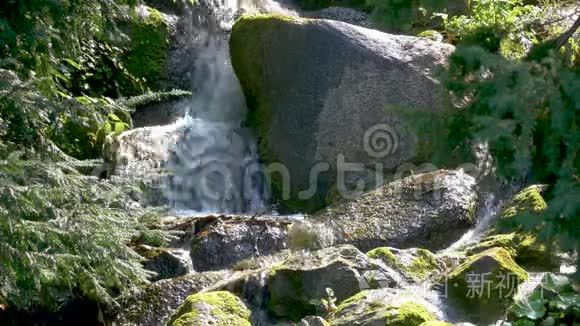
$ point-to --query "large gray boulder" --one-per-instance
(318, 90)
(430, 210)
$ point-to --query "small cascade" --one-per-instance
(487, 214)
(213, 166)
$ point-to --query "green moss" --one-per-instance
(435, 323)
(503, 260)
(149, 47)
(385, 254)
(485, 282)
(407, 314)
(423, 264)
(506, 241)
(528, 200)
(352, 300)
(223, 308)
(419, 268)
(359, 309)
(431, 34)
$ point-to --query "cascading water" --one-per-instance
(214, 164)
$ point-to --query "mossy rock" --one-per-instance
(528, 200)
(296, 287)
(416, 264)
(382, 307)
(431, 35)
(218, 308)
(305, 112)
(523, 246)
(146, 59)
(436, 323)
(484, 283)
(510, 233)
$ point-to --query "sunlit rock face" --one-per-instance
(429, 210)
(321, 90)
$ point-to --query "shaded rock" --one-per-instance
(384, 307)
(296, 286)
(225, 242)
(165, 262)
(157, 113)
(211, 308)
(154, 303)
(313, 321)
(415, 263)
(483, 285)
(318, 89)
(430, 210)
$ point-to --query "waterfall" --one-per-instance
(213, 166)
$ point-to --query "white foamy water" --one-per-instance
(213, 166)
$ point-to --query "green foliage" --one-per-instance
(528, 114)
(46, 125)
(39, 34)
(64, 235)
(495, 24)
(409, 15)
(99, 71)
(553, 301)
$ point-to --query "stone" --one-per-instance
(416, 264)
(343, 14)
(313, 321)
(520, 242)
(218, 308)
(166, 263)
(155, 302)
(484, 284)
(224, 242)
(430, 210)
(297, 285)
(321, 90)
(384, 307)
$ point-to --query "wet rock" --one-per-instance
(430, 210)
(154, 303)
(296, 286)
(319, 89)
(224, 242)
(511, 234)
(384, 307)
(211, 308)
